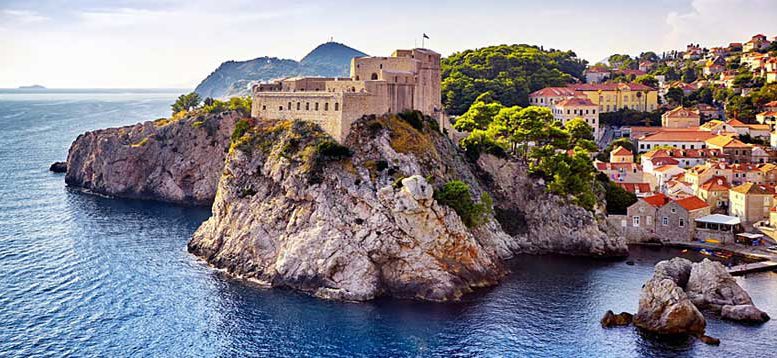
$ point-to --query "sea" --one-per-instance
(88, 276)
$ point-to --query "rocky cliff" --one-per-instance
(355, 221)
(542, 223)
(177, 161)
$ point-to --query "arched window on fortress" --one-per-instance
(288, 106)
(381, 66)
(374, 76)
(337, 106)
(353, 89)
(298, 104)
(280, 108)
(307, 106)
(357, 77)
(396, 79)
(326, 106)
(316, 105)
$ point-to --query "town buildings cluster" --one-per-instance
(700, 175)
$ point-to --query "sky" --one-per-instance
(176, 43)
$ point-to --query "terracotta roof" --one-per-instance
(678, 136)
(754, 189)
(621, 151)
(597, 70)
(736, 123)
(665, 168)
(657, 200)
(661, 161)
(768, 114)
(723, 141)
(692, 203)
(610, 87)
(635, 187)
(576, 101)
(553, 92)
(682, 153)
(771, 104)
(631, 72)
(682, 112)
(716, 183)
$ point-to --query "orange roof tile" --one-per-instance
(657, 200)
(553, 92)
(692, 203)
(678, 136)
(754, 189)
(576, 102)
(621, 151)
(716, 183)
(635, 187)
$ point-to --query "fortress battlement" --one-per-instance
(408, 80)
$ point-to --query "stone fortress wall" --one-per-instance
(409, 79)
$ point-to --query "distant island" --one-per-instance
(36, 87)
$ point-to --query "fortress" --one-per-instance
(408, 80)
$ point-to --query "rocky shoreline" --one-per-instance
(293, 209)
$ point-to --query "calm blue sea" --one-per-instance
(82, 275)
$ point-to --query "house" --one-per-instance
(611, 97)
(714, 66)
(549, 96)
(753, 130)
(693, 52)
(707, 111)
(646, 66)
(735, 174)
(718, 127)
(684, 158)
(682, 139)
(621, 172)
(681, 117)
(756, 43)
(663, 175)
(641, 190)
(750, 202)
(596, 74)
(771, 106)
(733, 149)
(577, 107)
(660, 218)
(767, 117)
(678, 188)
(735, 47)
(718, 228)
(639, 225)
(687, 88)
(715, 192)
(621, 155)
(676, 218)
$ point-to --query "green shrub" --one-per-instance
(456, 194)
(618, 199)
(331, 149)
(197, 124)
(241, 127)
(414, 118)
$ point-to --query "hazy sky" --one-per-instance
(176, 43)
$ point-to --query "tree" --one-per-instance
(647, 80)
(649, 56)
(618, 199)
(689, 74)
(675, 95)
(510, 73)
(478, 116)
(186, 102)
(579, 129)
(456, 194)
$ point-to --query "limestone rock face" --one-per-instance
(288, 216)
(611, 319)
(174, 161)
(711, 286)
(744, 313)
(664, 308)
(542, 223)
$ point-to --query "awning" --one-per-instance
(719, 219)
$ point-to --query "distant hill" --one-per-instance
(32, 87)
(235, 78)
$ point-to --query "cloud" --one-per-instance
(22, 16)
(709, 21)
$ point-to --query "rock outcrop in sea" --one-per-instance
(671, 300)
(295, 209)
(178, 161)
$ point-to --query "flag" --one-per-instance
(425, 36)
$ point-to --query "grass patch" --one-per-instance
(456, 195)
